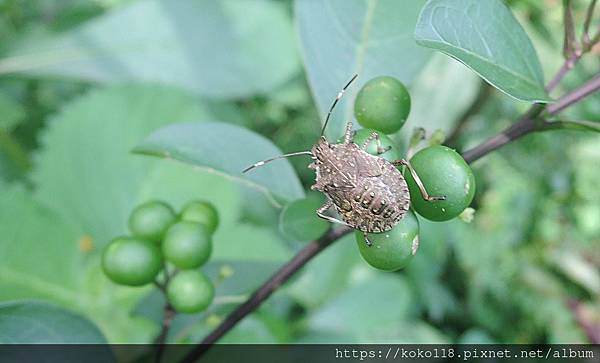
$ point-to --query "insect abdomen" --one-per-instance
(378, 204)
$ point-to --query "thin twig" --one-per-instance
(585, 36)
(588, 88)
(580, 125)
(263, 292)
(161, 339)
(570, 45)
(530, 121)
(524, 125)
(168, 314)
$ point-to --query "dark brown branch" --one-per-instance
(586, 24)
(530, 121)
(161, 339)
(524, 125)
(168, 316)
(570, 44)
(583, 91)
(263, 292)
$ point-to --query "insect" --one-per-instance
(368, 192)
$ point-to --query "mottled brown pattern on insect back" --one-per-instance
(367, 191)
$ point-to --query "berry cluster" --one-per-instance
(383, 105)
(160, 236)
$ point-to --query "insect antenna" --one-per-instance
(261, 163)
(336, 101)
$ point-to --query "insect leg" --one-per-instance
(415, 176)
(367, 239)
(325, 207)
(348, 133)
(375, 136)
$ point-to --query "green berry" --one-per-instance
(444, 173)
(151, 220)
(383, 104)
(129, 261)
(190, 291)
(201, 212)
(187, 245)
(361, 136)
(394, 249)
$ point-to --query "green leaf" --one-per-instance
(85, 170)
(227, 150)
(32, 322)
(486, 37)
(220, 49)
(44, 257)
(369, 37)
(376, 304)
(299, 220)
(328, 275)
(436, 85)
(40, 258)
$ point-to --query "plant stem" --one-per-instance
(263, 292)
(523, 126)
(530, 122)
(588, 88)
(168, 314)
(586, 24)
(161, 339)
(570, 44)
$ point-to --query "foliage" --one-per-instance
(219, 86)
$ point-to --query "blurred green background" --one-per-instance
(83, 82)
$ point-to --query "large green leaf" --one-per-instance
(226, 149)
(39, 252)
(31, 322)
(375, 304)
(368, 37)
(222, 49)
(44, 257)
(485, 36)
(437, 85)
(85, 170)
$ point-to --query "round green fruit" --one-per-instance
(383, 104)
(187, 245)
(394, 249)
(201, 212)
(132, 262)
(151, 220)
(386, 142)
(190, 291)
(443, 173)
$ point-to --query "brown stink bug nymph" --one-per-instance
(368, 192)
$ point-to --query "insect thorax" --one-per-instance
(368, 192)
